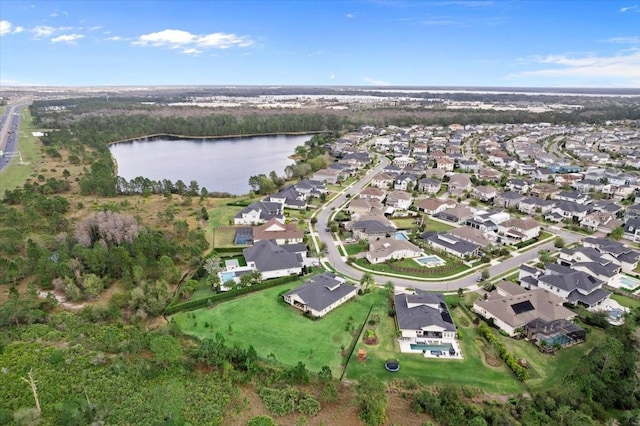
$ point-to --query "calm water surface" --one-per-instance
(223, 165)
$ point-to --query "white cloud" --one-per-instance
(630, 8)
(45, 31)
(5, 27)
(18, 30)
(191, 43)
(332, 76)
(192, 51)
(67, 38)
(623, 40)
(621, 69)
(350, 15)
(114, 38)
(375, 82)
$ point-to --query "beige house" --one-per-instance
(512, 307)
(434, 205)
(364, 206)
(382, 180)
(281, 233)
(516, 229)
(389, 248)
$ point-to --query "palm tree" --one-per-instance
(367, 282)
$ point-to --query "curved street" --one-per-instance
(336, 261)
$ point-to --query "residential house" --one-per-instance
(543, 175)
(433, 206)
(455, 215)
(445, 164)
(517, 185)
(330, 176)
(543, 190)
(512, 307)
(574, 286)
(272, 260)
(469, 166)
(281, 233)
(400, 200)
(321, 294)
(383, 180)
(365, 206)
(569, 210)
(310, 188)
(535, 205)
(573, 196)
(485, 193)
(451, 244)
(259, 212)
(490, 175)
(370, 227)
(429, 185)
(509, 199)
(632, 230)
(405, 182)
(516, 230)
(290, 198)
(472, 235)
(372, 192)
(423, 318)
(385, 249)
(626, 257)
(458, 183)
(599, 220)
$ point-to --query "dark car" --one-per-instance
(480, 279)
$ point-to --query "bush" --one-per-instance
(308, 405)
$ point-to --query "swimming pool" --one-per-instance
(227, 276)
(629, 283)
(430, 261)
(431, 348)
(401, 236)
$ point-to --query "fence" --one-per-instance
(228, 295)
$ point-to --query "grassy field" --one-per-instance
(15, 174)
(626, 301)
(271, 327)
(353, 249)
(549, 370)
(434, 225)
(471, 371)
(404, 223)
(410, 263)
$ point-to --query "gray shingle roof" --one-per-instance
(322, 291)
(268, 256)
(427, 309)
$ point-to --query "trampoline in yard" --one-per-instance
(392, 365)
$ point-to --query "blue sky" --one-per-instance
(379, 42)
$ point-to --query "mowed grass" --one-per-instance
(16, 174)
(470, 371)
(549, 370)
(627, 301)
(434, 225)
(271, 327)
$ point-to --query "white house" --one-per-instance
(389, 248)
(321, 294)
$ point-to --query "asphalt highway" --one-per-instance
(9, 128)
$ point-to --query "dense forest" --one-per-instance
(120, 362)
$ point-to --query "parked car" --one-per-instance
(480, 278)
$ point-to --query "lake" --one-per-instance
(220, 165)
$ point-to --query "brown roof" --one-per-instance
(274, 230)
(546, 305)
(432, 203)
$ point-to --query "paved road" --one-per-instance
(333, 255)
(9, 128)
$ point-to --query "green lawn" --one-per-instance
(470, 371)
(16, 174)
(434, 225)
(626, 301)
(275, 328)
(353, 249)
(410, 263)
(404, 223)
(549, 370)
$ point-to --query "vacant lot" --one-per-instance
(272, 327)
